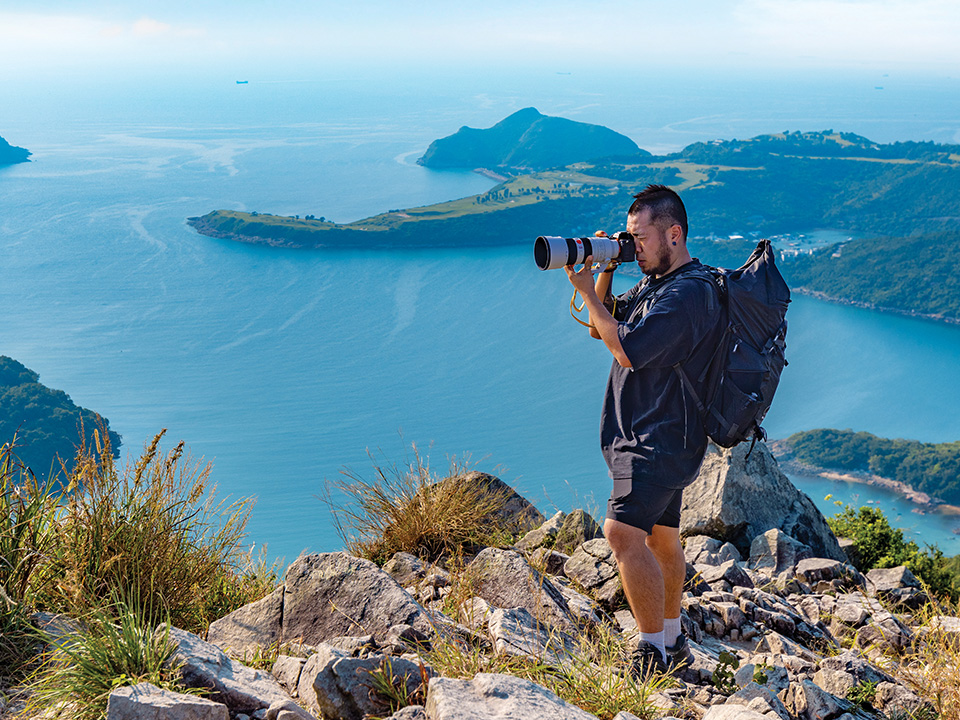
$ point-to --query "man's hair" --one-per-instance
(665, 206)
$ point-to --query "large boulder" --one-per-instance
(506, 580)
(496, 697)
(518, 515)
(736, 498)
(145, 701)
(257, 624)
(204, 665)
(330, 595)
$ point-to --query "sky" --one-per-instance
(296, 37)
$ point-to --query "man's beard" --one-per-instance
(661, 266)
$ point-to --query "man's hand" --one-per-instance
(582, 280)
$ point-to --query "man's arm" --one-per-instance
(602, 287)
(603, 322)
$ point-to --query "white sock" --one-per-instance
(671, 631)
(655, 639)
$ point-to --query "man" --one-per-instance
(651, 434)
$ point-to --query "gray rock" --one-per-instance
(578, 527)
(240, 688)
(725, 576)
(702, 550)
(287, 710)
(581, 608)
(885, 632)
(775, 552)
(550, 561)
(286, 669)
(896, 585)
(496, 697)
(733, 712)
(895, 700)
(807, 701)
(761, 699)
(339, 686)
(593, 566)
(759, 671)
(410, 712)
(333, 594)
(947, 626)
(517, 632)
(256, 624)
(543, 535)
(735, 499)
(405, 568)
(817, 569)
(148, 702)
(505, 579)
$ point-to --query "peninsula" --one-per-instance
(11, 154)
(781, 183)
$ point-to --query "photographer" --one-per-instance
(651, 434)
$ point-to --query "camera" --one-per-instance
(550, 252)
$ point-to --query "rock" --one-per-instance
(761, 699)
(240, 688)
(256, 624)
(776, 644)
(475, 612)
(410, 712)
(886, 633)
(947, 626)
(706, 550)
(496, 697)
(287, 710)
(405, 568)
(148, 702)
(543, 535)
(838, 674)
(593, 566)
(735, 499)
(733, 712)
(332, 594)
(517, 514)
(550, 561)
(517, 632)
(896, 701)
(577, 528)
(581, 608)
(775, 552)
(505, 579)
(773, 677)
(725, 576)
(339, 686)
(896, 585)
(807, 701)
(286, 669)
(816, 570)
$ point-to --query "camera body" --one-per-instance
(551, 252)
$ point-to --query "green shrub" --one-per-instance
(153, 531)
(879, 545)
(411, 510)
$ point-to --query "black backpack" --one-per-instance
(742, 376)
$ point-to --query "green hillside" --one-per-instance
(46, 422)
(933, 468)
(526, 140)
(11, 154)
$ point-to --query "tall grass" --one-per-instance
(412, 510)
(153, 530)
(933, 669)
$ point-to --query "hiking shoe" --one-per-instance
(679, 654)
(647, 660)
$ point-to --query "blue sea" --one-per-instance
(285, 368)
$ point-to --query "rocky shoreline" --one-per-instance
(871, 306)
(780, 624)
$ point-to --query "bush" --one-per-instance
(153, 532)
(410, 510)
(879, 545)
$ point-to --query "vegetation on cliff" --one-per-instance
(45, 422)
(933, 468)
(11, 154)
(524, 141)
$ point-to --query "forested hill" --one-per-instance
(912, 275)
(46, 422)
(525, 141)
(10, 154)
(928, 467)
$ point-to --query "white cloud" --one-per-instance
(149, 26)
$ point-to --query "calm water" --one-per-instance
(283, 368)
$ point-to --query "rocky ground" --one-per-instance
(780, 624)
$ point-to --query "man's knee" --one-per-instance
(664, 541)
(623, 537)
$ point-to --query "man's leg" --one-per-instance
(640, 574)
(664, 543)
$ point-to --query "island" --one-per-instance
(736, 191)
(11, 154)
(527, 141)
(46, 423)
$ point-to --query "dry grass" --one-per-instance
(411, 510)
(933, 670)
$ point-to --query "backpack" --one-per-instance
(742, 376)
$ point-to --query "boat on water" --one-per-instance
(243, 82)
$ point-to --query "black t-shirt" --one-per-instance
(650, 428)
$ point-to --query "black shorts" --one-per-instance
(643, 504)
